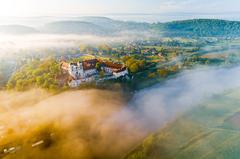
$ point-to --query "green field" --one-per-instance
(210, 131)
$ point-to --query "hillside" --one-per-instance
(186, 28)
(103, 26)
(41, 74)
(199, 28)
(207, 132)
(17, 29)
(116, 25)
(100, 21)
(73, 27)
(95, 26)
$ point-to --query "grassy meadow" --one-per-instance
(206, 132)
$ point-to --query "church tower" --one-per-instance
(81, 70)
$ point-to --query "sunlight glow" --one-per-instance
(14, 8)
(64, 7)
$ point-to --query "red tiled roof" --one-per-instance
(113, 65)
(89, 64)
(119, 70)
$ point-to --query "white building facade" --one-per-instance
(85, 71)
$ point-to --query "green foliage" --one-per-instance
(199, 28)
(42, 74)
(163, 72)
(151, 75)
(98, 66)
(133, 64)
(101, 74)
(6, 69)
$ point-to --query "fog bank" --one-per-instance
(101, 124)
(76, 124)
(163, 102)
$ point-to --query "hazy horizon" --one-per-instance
(136, 17)
(132, 10)
(53, 7)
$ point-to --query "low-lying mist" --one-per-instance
(101, 124)
(13, 44)
(163, 102)
(76, 124)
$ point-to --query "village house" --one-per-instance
(117, 70)
(86, 71)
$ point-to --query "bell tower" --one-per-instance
(81, 70)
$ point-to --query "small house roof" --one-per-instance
(89, 64)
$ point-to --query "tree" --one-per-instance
(151, 75)
(163, 72)
(134, 68)
(101, 74)
(133, 64)
(98, 66)
(36, 73)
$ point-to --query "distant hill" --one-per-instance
(100, 21)
(116, 25)
(73, 27)
(17, 29)
(95, 26)
(103, 26)
(199, 28)
(187, 28)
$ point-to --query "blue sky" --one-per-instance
(62, 7)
